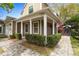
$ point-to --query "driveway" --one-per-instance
(14, 48)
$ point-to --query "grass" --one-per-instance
(42, 50)
(75, 46)
(1, 50)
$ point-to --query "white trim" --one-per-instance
(40, 5)
(45, 25)
(53, 26)
(38, 27)
(29, 18)
(56, 28)
(50, 17)
(16, 26)
(45, 28)
(30, 26)
(21, 28)
(12, 27)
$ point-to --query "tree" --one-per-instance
(68, 10)
(7, 6)
(74, 23)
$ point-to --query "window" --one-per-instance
(36, 27)
(26, 28)
(0, 29)
(30, 9)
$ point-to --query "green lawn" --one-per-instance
(42, 50)
(75, 46)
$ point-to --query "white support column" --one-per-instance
(30, 26)
(40, 5)
(53, 27)
(45, 28)
(24, 28)
(57, 28)
(40, 27)
(11, 27)
(45, 25)
(21, 28)
(16, 27)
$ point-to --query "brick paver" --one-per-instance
(12, 48)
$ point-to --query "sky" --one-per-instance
(16, 11)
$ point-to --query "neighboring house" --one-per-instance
(7, 26)
(10, 24)
(36, 18)
(1, 27)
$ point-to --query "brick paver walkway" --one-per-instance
(12, 48)
(63, 48)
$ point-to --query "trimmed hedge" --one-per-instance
(3, 36)
(35, 39)
(18, 36)
(12, 36)
(52, 40)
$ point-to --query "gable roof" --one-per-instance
(26, 4)
(1, 21)
(9, 19)
(45, 10)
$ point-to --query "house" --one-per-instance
(36, 18)
(7, 26)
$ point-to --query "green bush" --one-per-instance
(3, 36)
(58, 36)
(35, 39)
(52, 40)
(18, 36)
(12, 36)
(74, 23)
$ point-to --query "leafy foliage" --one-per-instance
(35, 39)
(74, 23)
(18, 36)
(12, 36)
(67, 11)
(7, 6)
(52, 40)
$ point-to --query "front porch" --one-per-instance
(43, 25)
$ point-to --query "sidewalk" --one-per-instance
(63, 48)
